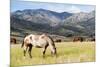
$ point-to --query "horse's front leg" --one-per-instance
(44, 50)
(29, 51)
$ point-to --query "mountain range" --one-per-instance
(46, 21)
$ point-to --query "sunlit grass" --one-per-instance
(67, 52)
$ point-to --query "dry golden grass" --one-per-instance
(67, 52)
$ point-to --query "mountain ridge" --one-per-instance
(55, 23)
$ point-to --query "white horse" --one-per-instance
(38, 41)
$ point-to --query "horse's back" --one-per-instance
(36, 40)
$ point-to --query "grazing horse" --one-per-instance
(57, 40)
(38, 41)
(13, 40)
(92, 39)
(78, 39)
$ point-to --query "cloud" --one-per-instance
(57, 7)
(74, 9)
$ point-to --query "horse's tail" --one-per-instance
(23, 41)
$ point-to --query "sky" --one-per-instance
(57, 7)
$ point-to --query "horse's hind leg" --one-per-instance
(25, 49)
(44, 50)
(29, 51)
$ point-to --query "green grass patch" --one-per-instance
(67, 52)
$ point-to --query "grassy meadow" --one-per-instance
(67, 52)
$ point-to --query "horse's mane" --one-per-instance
(51, 40)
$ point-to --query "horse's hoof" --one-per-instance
(43, 56)
(30, 57)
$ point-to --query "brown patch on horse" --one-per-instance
(38, 46)
(31, 37)
(43, 35)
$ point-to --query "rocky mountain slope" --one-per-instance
(63, 24)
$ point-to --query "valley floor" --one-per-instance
(67, 52)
